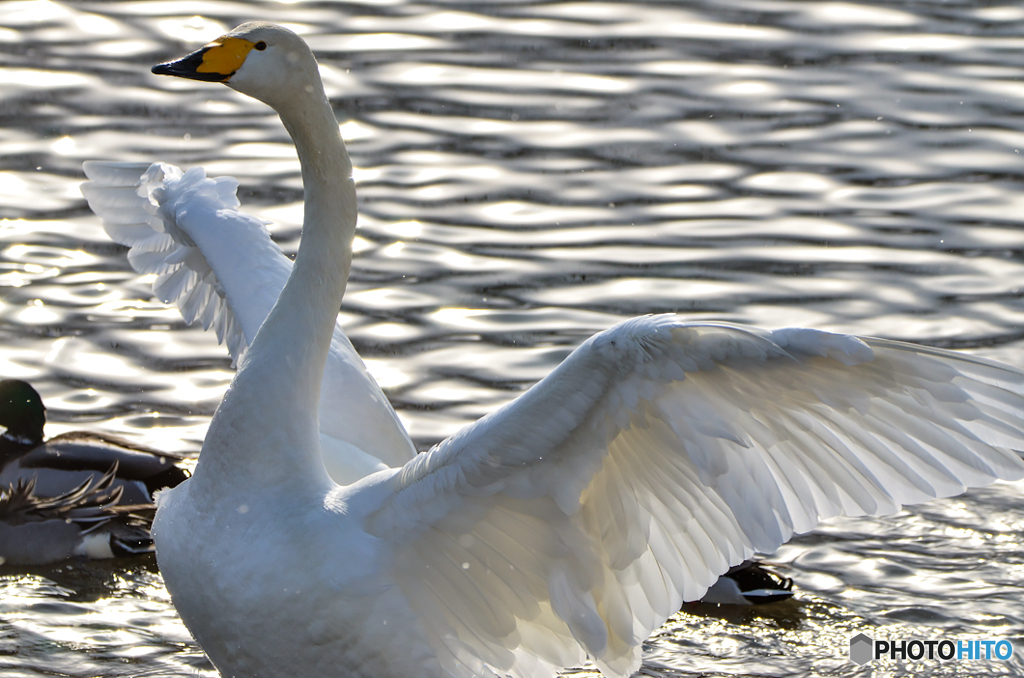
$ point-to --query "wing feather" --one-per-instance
(220, 268)
(575, 520)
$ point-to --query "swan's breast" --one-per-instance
(303, 577)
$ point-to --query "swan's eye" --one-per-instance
(260, 45)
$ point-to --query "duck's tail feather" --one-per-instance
(94, 506)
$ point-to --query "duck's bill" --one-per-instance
(215, 62)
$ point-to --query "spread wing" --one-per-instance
(128, 197)
(575, 520)
(221, 268)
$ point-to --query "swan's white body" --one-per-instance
(210, 258)
(570, 523)
(220, 267)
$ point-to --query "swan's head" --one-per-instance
(259, 59)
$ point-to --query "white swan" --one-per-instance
(167, 218)
(220, 267)
(569, 523)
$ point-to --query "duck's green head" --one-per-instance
(21, 411)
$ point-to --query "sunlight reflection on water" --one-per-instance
(530, 174)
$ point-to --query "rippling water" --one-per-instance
(531, 173)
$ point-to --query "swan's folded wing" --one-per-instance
(577, 519)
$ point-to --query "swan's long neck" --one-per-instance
(265, 432)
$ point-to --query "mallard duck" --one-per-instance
(88, 521)
(568, 524)
(59, 465)
(749, 583)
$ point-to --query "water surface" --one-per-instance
(530, 173)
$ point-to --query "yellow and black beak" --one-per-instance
(215, 62)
